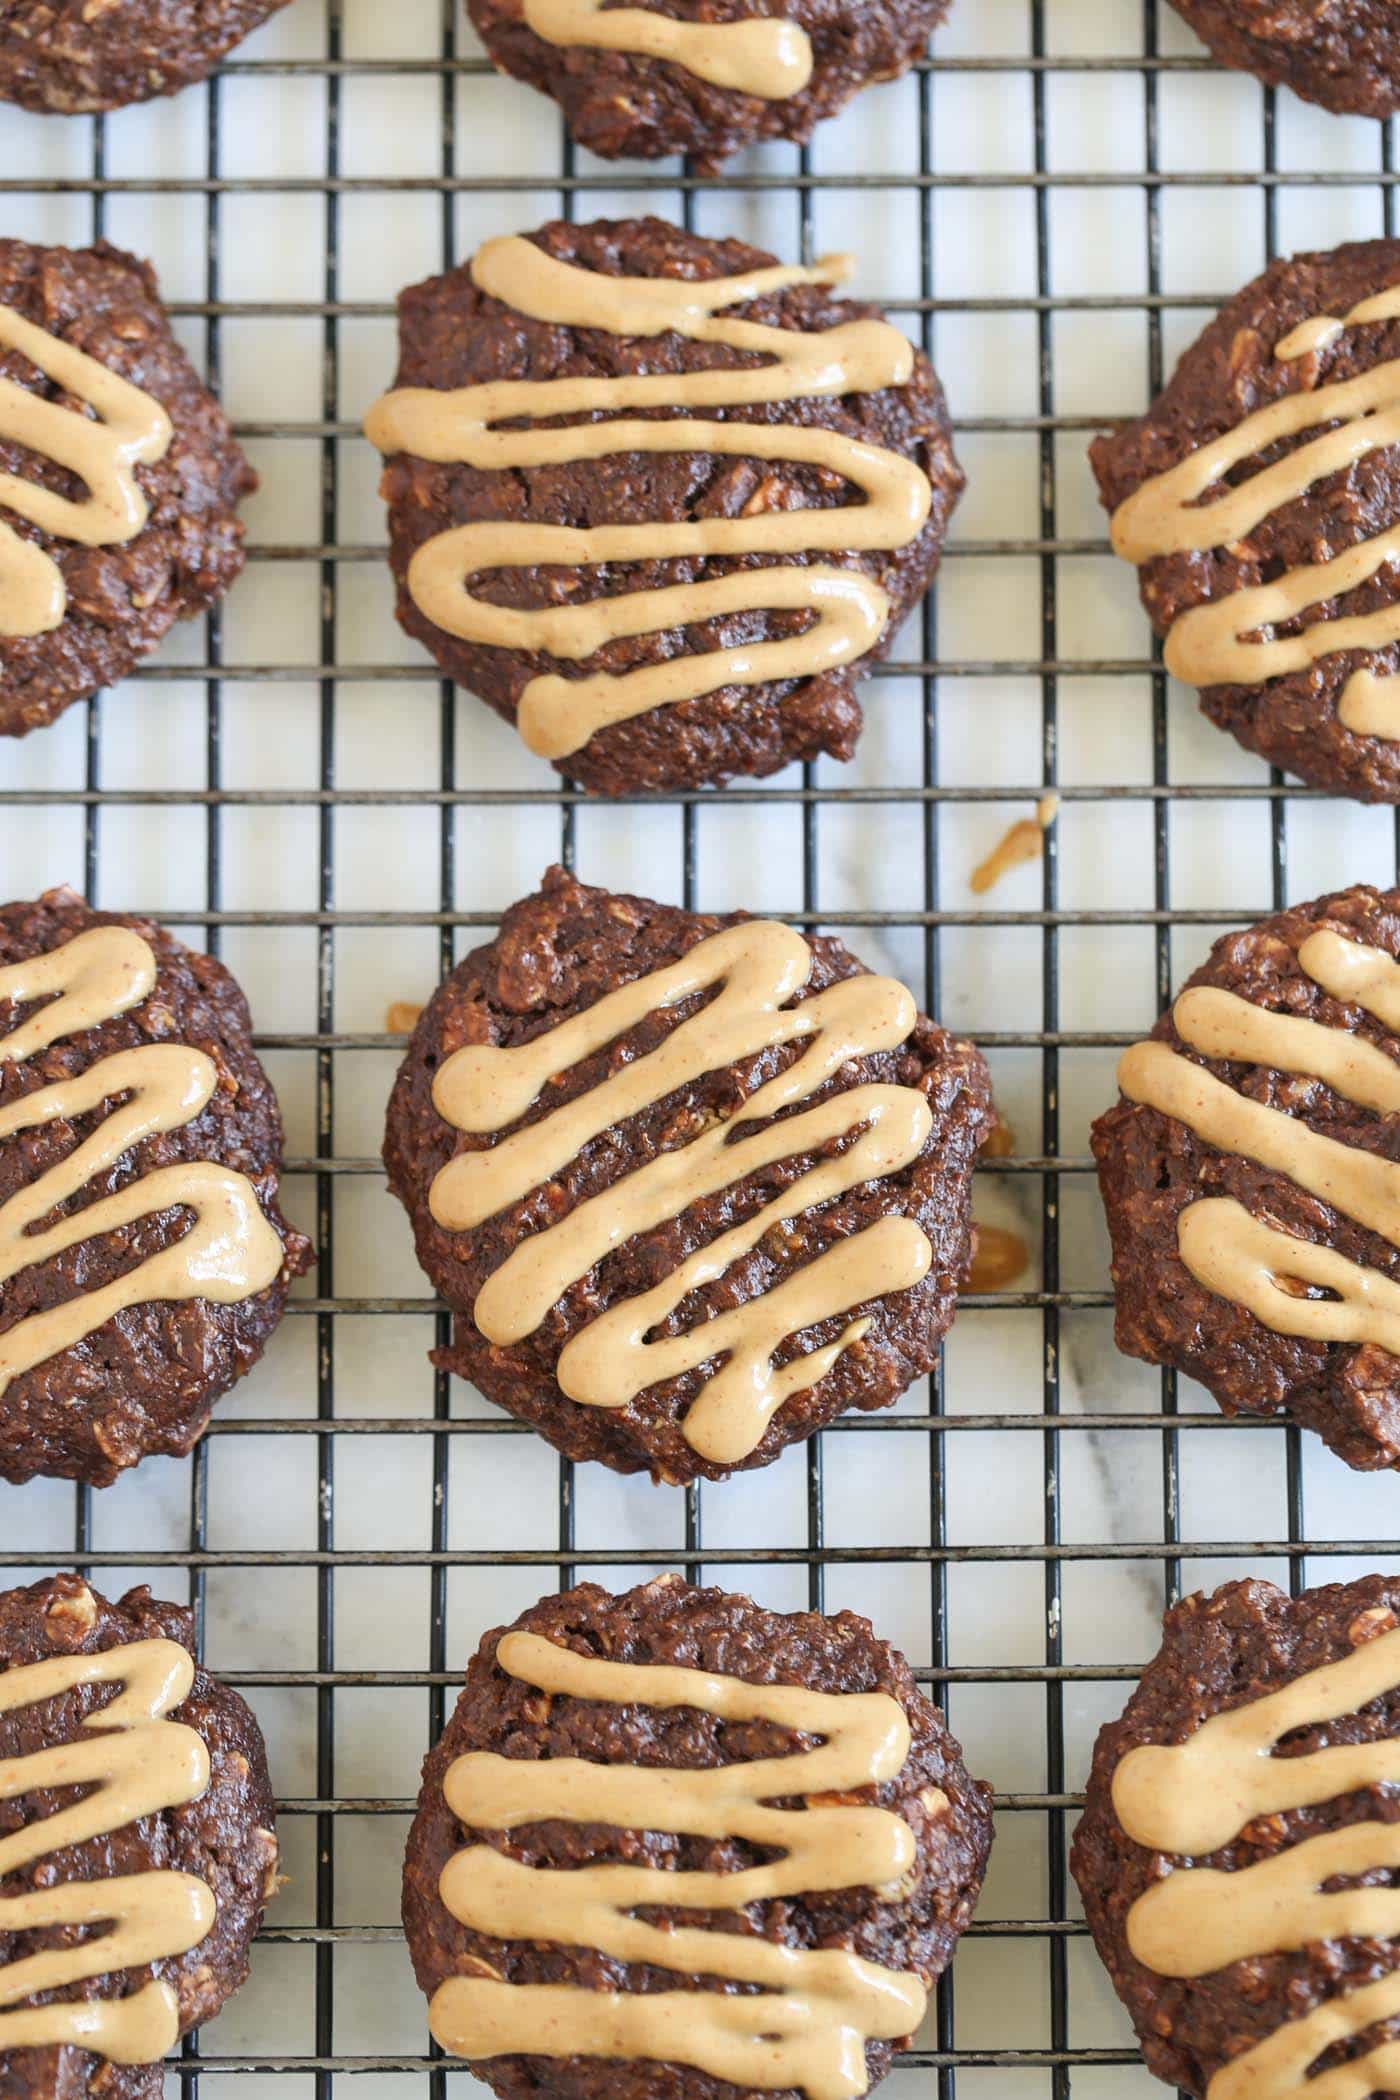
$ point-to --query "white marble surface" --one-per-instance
(503, 1491)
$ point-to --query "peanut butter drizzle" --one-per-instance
(1196, 1797)
(1208, 645)
(127, 428)
(817, 2009)
(230, 1251)
(1223, 1025)
(1355, 973)
(757, 967)
(763, 55)
(1233, 1253)
(558, 715)
(136, 1762)
(1320, 331)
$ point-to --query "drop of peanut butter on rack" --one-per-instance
(1002, 1142)
(1024, 841)
(401, 1018)
(1000, 1258)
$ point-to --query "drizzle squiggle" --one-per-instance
(850, 611)
(1234, 640)
(760, 55)
(758, 967)
(127, 428)
(1194, 1798)
(229, 1252)
(816, 2009)
(1233, 1253)
(135, 1762)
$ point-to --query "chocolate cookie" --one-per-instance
(671, 78)
(686, 590)
(620, 1770)
(1344, 54)
(692, 1185)
(172, 1851)
(119, 477)
(143, 1259)
(1260, 498)
(1244, 1902)
(72, 55)
(1251, 1175)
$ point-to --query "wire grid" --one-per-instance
(1026, 2011)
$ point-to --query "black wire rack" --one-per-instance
(1061, 2061)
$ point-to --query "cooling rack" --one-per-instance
(1052, 203)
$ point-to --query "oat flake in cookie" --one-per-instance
(1239, 1843)
(657, 499)
(1260, 499)
(119, 478)
(143, 1258)
(691, 1185)
(1251, 1175)
(625, 1774)
(170, 1849)
(70, 55)
(654, 79)
(1344, 54)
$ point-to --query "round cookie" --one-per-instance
(608, 585)
(1249, 1173)
(68, 56)
(1344, 54)
(190, 1161)
(1258, 531)
(1225, 1996)
(219, 1838)
(593, 1677)
(727, 75)
(95, 318)
(555, 1299)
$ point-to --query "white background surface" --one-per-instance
(239, 214)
